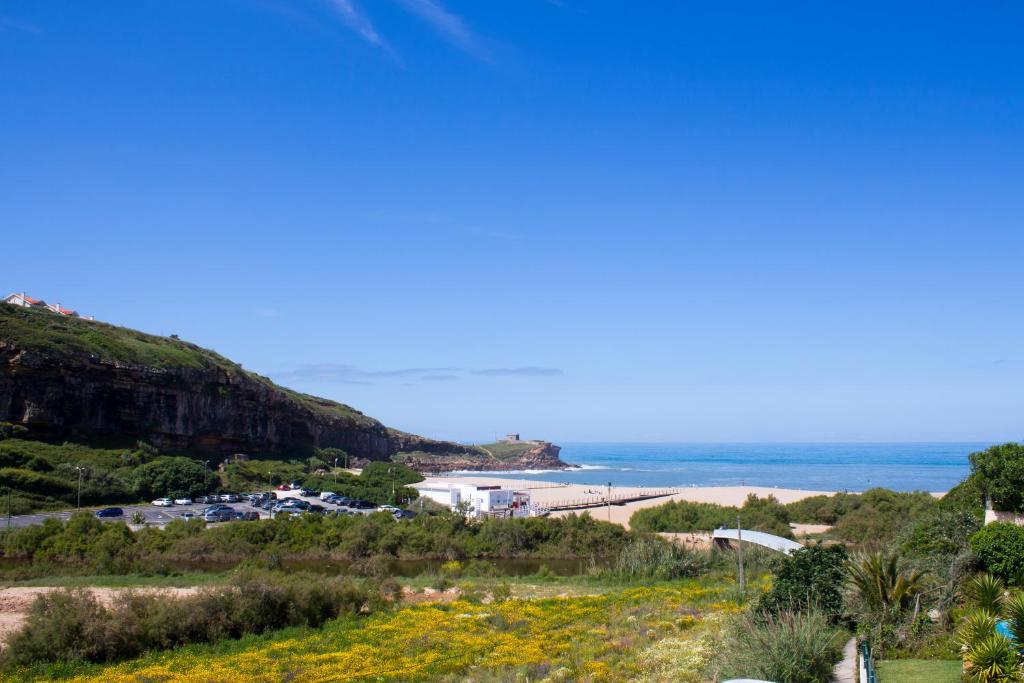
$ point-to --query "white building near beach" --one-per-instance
(478, 501)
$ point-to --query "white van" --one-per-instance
(326, 494)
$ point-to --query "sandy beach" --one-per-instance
(552, 493)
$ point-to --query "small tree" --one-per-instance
(811, 577)
(1000, 547)
(1000, 474)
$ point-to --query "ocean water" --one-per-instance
(817, 466)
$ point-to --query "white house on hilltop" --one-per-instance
(25, 301)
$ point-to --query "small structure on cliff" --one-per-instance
(25, 301)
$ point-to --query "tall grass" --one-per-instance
(654, 558)
(787, 647)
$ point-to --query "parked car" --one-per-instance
(187, 515)
(229, 498)
(284, 487)
(268, 504)
(291, 504)
(340, 500)
(219, 515)
(163, 502)
(218, 508)
(362, 507)
(109, 512)
(318, 509)
(388, 508)
(404, 514)
(309, 493)
(324, 495)
(182, 501)
(250, 516)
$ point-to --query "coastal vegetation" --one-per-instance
(38, 475)
(653, 633)
(920, 578)
(84, 544)
(759, 514)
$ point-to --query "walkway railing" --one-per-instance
(600, 500)
(867, 664)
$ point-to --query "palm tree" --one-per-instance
(992, 659)
(988, 592)
(883, 587)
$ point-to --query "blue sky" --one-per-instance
(575, 219)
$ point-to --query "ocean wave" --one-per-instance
(501, 472)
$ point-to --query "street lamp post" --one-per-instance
(608, 501)
(335, 470)
(80, 470)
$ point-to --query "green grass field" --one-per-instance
(919, 671)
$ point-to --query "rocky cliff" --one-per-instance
(526, 455)
(71, 378)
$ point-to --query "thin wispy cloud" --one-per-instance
(12, 24)
(350, 374)
(355, 19)
(449, 26)
(530, 371)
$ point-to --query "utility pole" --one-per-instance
(335, 470)
(608, 501)
(80, 469)
(739, 556)
(391, 471)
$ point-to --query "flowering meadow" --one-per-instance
(663, 633)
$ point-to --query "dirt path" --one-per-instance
(15, 602)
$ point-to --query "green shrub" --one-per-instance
(175, 477)
(1000, 548)
(1000, 475)
(810, 578)
(71, 625)
(785, 647)
(680, 516)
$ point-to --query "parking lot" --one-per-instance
(155, 515)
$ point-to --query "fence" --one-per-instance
(867, 664)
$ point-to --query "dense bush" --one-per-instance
(86, 544)
(1000, 548)
(810, 578)
(72, 625)
(378, 482)
(760, 514)
(174, 477)
(786, 648)
(876, 516)
(999, 472)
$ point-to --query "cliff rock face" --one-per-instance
(532, 455)
(70, 378)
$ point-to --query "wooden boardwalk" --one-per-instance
(598, 501)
